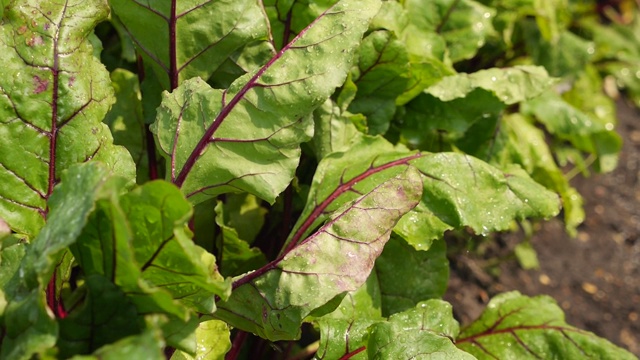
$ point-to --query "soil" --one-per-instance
(594, 277)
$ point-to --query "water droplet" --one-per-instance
(493, 78)
(486, 15)
(609, 126)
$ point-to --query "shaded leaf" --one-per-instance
(237, 256)
(273, 301)
(185, 39)
(247, 138)
(70, 207)
(424, 332)
(147, 345)
(517, 326)
(53, 94)
(434, 125)
(104, 317)
(407, 276)
(141, 243)
(564, 56)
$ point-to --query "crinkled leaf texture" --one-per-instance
(459, 191)
(53, 94)
(520, 327)
(273, 301)
(247, 137)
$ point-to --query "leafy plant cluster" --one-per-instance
(313, 155)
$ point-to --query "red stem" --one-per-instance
(353, 353)
(241, 336)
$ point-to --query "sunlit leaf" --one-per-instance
(53, 94)
(247, 137)
(521, 327)
(424, 332)
(338, 258)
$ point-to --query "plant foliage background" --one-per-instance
(312, 156)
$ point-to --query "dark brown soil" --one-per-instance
(595, 277)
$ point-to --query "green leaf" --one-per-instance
(147, 345)
(520, 142)
(53, 94)
(459, 191)
(510, 85)
(464, 25)
(273, 301)
(126, 121)
(434, 125)
(141, 242)
(245, 214)
(585, 132)
(237, 257)
(289, 18)
(346, 329)
(70, 206)
(186, 39)
(381, 75)
(519, 327)
(424, 332)
(105, 317)
(527, 256)
(247, 138)
(565, 56)
(333, 130)
(213, 342)
(408, 276)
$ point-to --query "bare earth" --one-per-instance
(595, 277)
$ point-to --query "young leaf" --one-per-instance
(247, 138)
(186, 39)
(407, 276)
(519, 327)
(425, 332)
(273, 301)
(53, 94)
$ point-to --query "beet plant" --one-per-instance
(202, 179)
